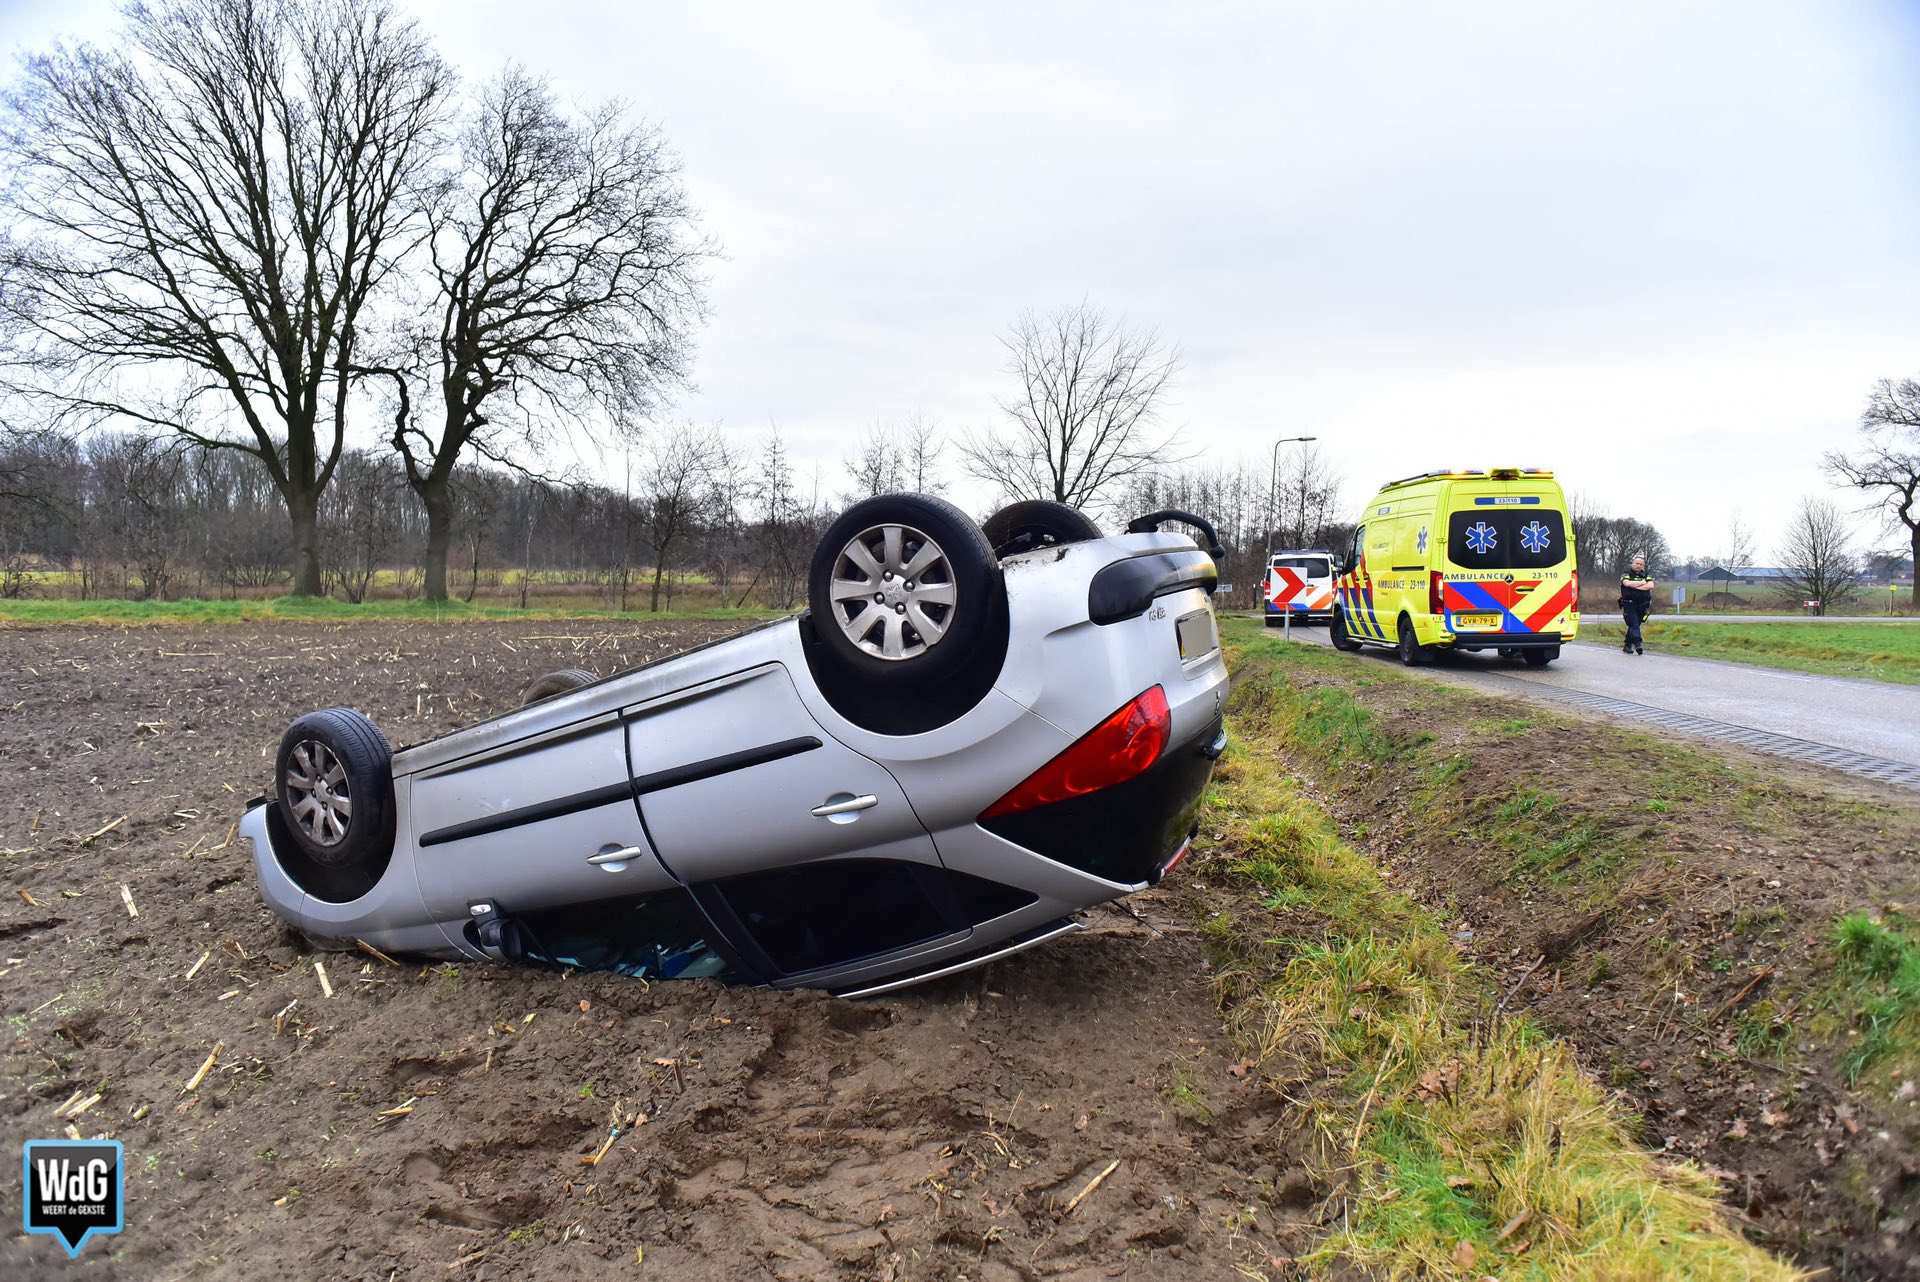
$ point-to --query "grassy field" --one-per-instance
(1474, 1145)
(325, 610)
(1881, 651)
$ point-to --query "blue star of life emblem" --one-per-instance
(1481, 537)
(1535, 536)
(1420, 543)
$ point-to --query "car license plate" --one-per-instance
(1476, 620)
(1197, 634)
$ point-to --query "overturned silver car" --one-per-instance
(969, 737)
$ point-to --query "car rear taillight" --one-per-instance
(1116, 750)
(1576, 591)
(1433, 593)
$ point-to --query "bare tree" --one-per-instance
(136, 506)
(479, 509)
(874, 466)
(1739, 550)
(361, 517)
(1817, 555)
(1606, 545)
(920, 447)
(568, 277)
(676, 494)
(1086, 415)
(1309, 495)
(203, 214)
(1887, 466)
(783, 525)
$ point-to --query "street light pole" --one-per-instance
(1266, 562)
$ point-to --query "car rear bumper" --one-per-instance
(1506, 640)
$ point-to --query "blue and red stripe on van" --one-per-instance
(1512, 601)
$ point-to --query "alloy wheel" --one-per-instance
(893, 592)
(317, 792)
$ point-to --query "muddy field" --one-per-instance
(431, 1122)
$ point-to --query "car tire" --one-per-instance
(1036, 523)
(919, 616)
(1540, 658)
(1337, 634)
(1273, 620)
(1407, 644)
(552, 683)
(333, 778)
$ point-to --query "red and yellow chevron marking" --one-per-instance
(1525, 605)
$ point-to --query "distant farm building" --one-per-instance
(1749, 574)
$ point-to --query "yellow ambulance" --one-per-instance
(1462, 560)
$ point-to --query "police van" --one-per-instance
(1299, 584)
(1461, 560)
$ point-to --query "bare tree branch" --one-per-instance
(1085, 417)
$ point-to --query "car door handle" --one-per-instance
(625, 854)
(828, 809)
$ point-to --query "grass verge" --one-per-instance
(325, 610)
(1876, 988)
(1876, 651)
(1470, 1144)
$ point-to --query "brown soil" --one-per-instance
(938, 1134)
(1648, 949)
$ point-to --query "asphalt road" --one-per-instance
(1865, 728)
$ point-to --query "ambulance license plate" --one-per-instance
(1197, 634)
(1476, 620)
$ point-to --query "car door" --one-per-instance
(781, 830)
(543, 822)
(735, 775)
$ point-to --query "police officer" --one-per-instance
(1636, 602)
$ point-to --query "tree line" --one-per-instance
(130, 514)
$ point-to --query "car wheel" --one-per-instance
(545, 687)
(1408, 645)
(334, 779)
(1037, 523)
(1540, 658)
(1337, 633)
(1273, 620)
(903, 589)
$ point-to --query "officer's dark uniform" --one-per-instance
(1635, 605)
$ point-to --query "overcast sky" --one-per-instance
(1662, 248)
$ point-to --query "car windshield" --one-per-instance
(1318, 567)
(1506, 538)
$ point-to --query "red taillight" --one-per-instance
(1576, 591)
(1434, 603)
(1122, 746)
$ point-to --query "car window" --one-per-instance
(1357, 552)
(1506, 538)
(656, 936)
(827, 914)
(1316, 567)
